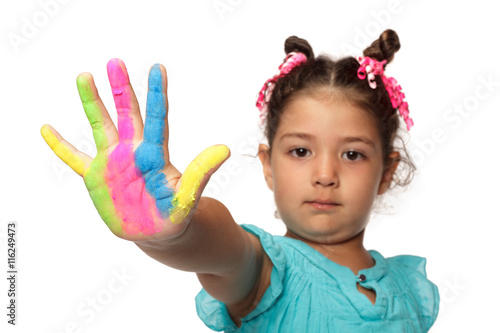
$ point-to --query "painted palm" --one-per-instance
(133, 185)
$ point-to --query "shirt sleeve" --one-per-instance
(426, 291)
(214, 313)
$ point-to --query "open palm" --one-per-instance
(136, 190)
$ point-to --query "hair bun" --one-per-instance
(296, 44)
(384, 47)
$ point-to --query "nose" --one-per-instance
(326, 172)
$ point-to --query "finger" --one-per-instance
(103, 129)
(129, 116)
(74, 158)
(194, 180)
(156, 126)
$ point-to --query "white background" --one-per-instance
(218, 54)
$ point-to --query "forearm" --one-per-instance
(227, 259)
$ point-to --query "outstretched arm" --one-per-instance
(142, 197)
(225, 257)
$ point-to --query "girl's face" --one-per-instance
(325, 168)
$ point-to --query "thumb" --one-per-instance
(194, 180)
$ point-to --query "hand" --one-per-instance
(138, 193)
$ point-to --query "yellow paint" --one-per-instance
(74, 161)
(192, 178)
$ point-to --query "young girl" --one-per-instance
(330, 127)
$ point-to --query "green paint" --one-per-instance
(94, 177)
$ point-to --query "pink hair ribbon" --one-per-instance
(369, 68)
(293, 59)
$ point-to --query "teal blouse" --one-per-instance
(310, 293)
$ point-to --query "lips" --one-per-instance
(323, 204)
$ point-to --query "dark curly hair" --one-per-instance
(340, 76)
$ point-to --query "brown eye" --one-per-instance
(353, 155)
(299, 152)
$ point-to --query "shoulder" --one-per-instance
(408, 269)
(408, 262)
(283, 251)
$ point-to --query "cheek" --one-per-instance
(280, 187)
(364, 189)
(286, 185)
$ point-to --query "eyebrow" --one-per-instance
(362, 139)
(347, 139)
(299, 135)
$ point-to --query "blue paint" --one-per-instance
(155, 108)
(149, 156)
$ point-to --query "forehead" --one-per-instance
(327, 116)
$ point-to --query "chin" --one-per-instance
(315, 234)
(326, 234)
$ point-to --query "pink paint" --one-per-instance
(120, 86)
(133, 203)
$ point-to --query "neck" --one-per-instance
(350, 253)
